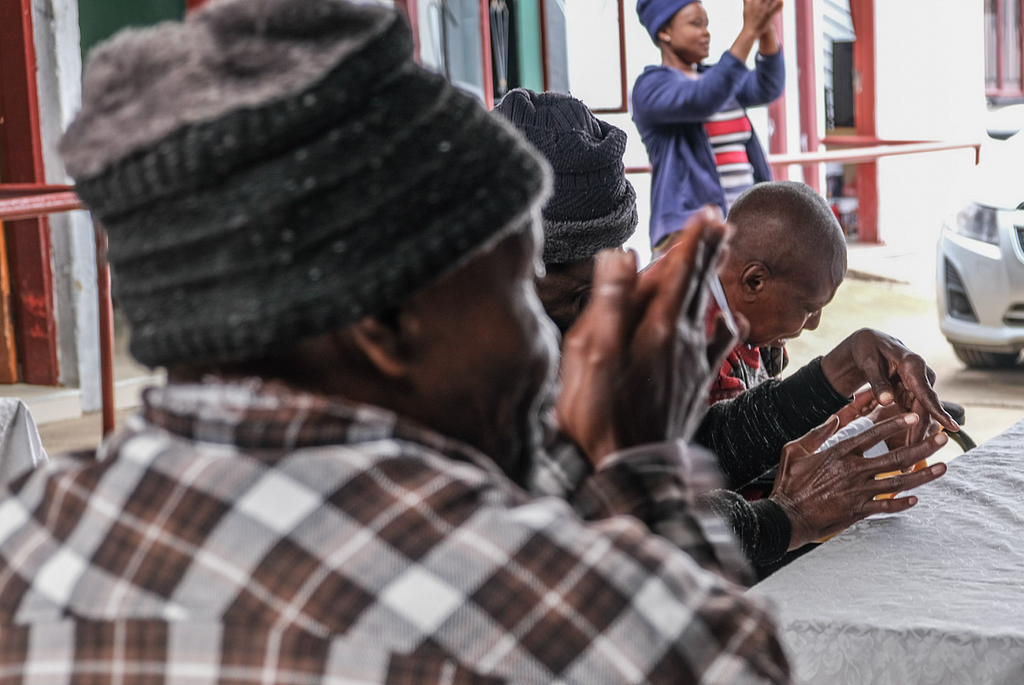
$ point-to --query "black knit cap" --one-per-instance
(271, 169)
(593, 206)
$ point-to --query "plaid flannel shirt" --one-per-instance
(242, 533)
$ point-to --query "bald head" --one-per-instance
(786, 260)
(786, 225)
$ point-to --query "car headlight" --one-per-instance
(978, 223)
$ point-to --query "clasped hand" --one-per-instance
(636, 366)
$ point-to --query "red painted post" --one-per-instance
(542, 8)
(808, 87)
(622, 57)
(28, 240)
(1020, 30)
(1000, 38)
(106, 309)
(777, 140)
(863, 14)
(412, 13)
(623, 106)
(485, 45)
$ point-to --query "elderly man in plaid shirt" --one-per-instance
(333, 254)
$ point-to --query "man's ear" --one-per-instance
(753, 279)
(381, 342)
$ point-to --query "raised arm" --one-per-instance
(765, 83)
(663, 95)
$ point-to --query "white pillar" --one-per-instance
(59, 78)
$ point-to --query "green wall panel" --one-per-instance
(531, 74)
(100, 19)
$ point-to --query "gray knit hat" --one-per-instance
(271, 169)
(593, 207)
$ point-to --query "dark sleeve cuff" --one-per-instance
(774, 532)
(748, 432)
(806, 399)
(762, 527)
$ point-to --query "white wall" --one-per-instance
(930, 85)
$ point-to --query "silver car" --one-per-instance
(980, 267)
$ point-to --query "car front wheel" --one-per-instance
(982, 359)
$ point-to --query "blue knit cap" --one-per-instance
(654, 13)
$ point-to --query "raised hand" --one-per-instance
(636, 366)
(757, 24)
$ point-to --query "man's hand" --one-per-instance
(636, 366)
(825, 492)
(895, 375)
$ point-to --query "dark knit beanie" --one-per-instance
(593, 207)
(655, 13)
(270, 170)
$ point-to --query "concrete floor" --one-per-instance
(76, 434)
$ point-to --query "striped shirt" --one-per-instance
(729, 131)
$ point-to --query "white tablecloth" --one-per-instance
(21, 449)
(933, 595)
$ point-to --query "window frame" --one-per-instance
(623, 106)
(1001, 94)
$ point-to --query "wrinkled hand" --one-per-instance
(894, 373)
(825, 492)
(636, 366)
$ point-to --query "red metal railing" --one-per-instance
(862, 152)
(853, 155)
(30, 200)
(29, 314)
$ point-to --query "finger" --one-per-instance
(816, 437)
(674, 271)
(874, 435)
(876, 374)
(861, 405)
(925, 425)
(906, 457)
(914, 373)
(906, 481)
(603, 322)
(888, 506)
(863, 402)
